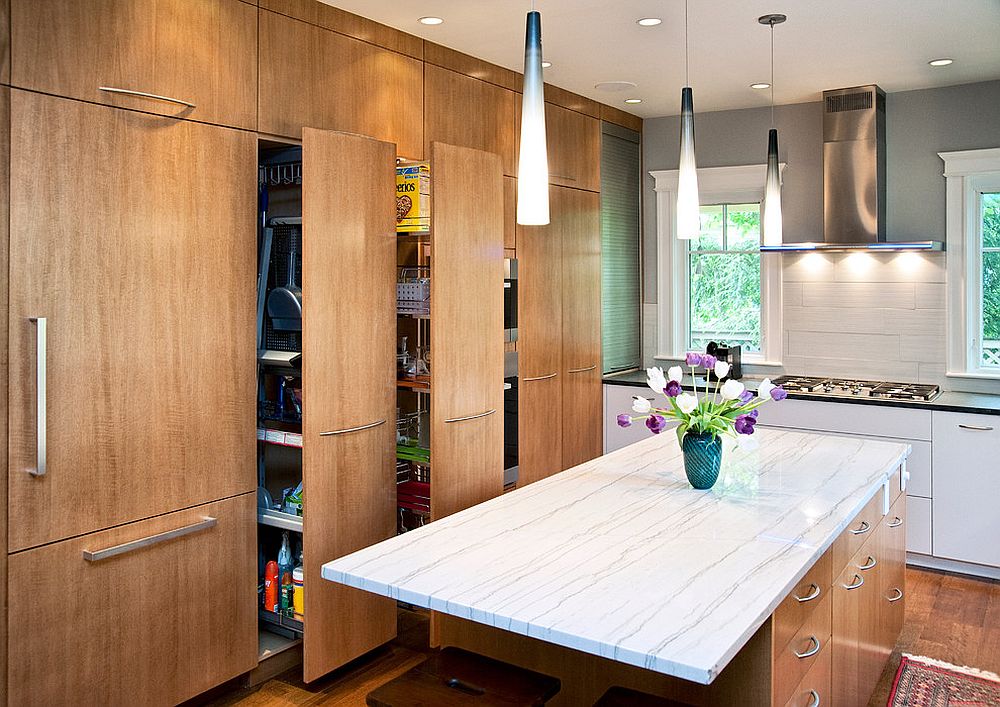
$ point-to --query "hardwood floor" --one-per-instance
(948, 617)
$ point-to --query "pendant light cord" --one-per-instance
(772, 74)
(687, 76)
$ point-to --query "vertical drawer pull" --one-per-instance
(899, 595)
(470, 417)
(98, 555)
(811, 651)
(858, 581)
(348, 430)
(895, 522)
(814, 591)
(864, 528)
(868, 565)
(977, 428)
(143, 94)
(41, 445)
(814, 699)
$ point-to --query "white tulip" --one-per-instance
(687, 402)
(732, 389)
(721, 369)
(675, 373)
(765, 388)
(655, 379)
(641, 405)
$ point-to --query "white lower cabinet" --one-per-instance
(966, 524)
(918, 525)
(618, 401)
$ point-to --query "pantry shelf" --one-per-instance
(279, 519)
(280, 437)
(277, 619)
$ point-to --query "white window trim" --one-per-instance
(966, 173)
(716, 185)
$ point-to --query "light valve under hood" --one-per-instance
(854, 176)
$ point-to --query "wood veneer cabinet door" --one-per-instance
(4, 371)
(312, 77)
(574, 144)
(846, 641)
(134, 239)
(204, 53)
(892, 586)
(348, 370)
(461, 110)
(154, 625)
(539, 346)
(578, 214)
(466, 328)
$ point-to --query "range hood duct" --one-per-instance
(854, 175)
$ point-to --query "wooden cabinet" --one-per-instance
(134, 240)
(466, 318)
(848, 599)
(4, 372)
(166, 615)
(574, 145)
(467, 112)
(199, 53)
(817, 686)
(312, 77)
(348, 423)
(892, 577)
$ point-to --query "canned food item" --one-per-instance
(298, 600)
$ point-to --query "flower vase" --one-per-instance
(702, 458)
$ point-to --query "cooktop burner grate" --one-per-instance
(856, 388)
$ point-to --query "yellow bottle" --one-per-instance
(298, 601)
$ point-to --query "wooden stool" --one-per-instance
(456, 677)
(624, 697)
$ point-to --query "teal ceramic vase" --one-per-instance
(702, 459)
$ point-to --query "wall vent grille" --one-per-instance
(849, 101)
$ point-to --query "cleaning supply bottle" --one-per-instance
(285, 571)
(298, 596)
(271, 586)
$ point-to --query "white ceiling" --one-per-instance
(824, 44)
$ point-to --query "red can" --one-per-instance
(271, 586)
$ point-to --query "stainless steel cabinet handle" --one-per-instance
(858, 581)
(41, 449)
(894, 523)
(583, 370)
(868, 565)
(541, 378)
(470, 417)
(352, 429)
(865, 527)
(814, 591)
(812, 651)
(977, 428)
(899, 595)
(815, 699)
(143, 94)
(98, 555)
(562, 176)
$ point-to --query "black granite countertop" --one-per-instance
(947, 401)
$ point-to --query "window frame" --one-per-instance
(740, 184)
(968, 173)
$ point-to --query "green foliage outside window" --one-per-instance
(991, 275)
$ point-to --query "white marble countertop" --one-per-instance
(621, 558)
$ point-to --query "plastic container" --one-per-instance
(271, 586)
(298, 598)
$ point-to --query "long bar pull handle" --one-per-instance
(814, 591)
(814, 698)
(899, 595)
(868, 565)
(977, 428)
(895, 523)
(583, 370)
(98, 555)
(811, 651)
(348, 430)
(541, 378)
(41, 414)
(864, 528)
(143, 94)
(858, 581)
(471, 417)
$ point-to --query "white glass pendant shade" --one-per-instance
(533, 159)
(771, 206)
(688, 206)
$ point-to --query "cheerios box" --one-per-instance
(413, 197)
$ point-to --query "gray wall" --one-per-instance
(919, 124)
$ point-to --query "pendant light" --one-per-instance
(688, 205)
(533, 159)
(771, 206)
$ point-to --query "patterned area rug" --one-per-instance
(925, 682)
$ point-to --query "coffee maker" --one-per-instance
(732, 355)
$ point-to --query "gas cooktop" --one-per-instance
(853, 388)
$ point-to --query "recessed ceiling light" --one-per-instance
(633, 100)
(546, 64)
(940, 62)
(430, 20)
(760, 85)
(614, 85)
(648, 21)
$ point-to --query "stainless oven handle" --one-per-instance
(41, 442)
(541, 378)
(98, 555)
(143, 94)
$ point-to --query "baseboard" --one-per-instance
(936, 563)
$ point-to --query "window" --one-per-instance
(973, 289)
(718, 287)
(724, 278)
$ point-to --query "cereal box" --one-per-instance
(413, 197)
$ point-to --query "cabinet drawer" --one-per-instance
(807, 595)
(154, 623)
(918, 525)
(816, 687)
(853, 419)
(793, 661)
(859, 531)
(203, 53)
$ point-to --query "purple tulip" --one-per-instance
(673, 389)
(754, 413)
(708, 361)
(624, 421)
(656, 423)
(778, 393)
(693, 359)
(744, 424)
(746, 397)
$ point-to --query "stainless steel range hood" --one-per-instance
(854, 175)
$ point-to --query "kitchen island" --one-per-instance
(621, 559)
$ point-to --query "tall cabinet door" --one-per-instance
(348, 367)
(579, 220)
(466, 328)
(539, 347)
(132, 305)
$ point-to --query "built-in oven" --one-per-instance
(510, 299)
(510, 418)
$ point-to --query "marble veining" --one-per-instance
(619, 557)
